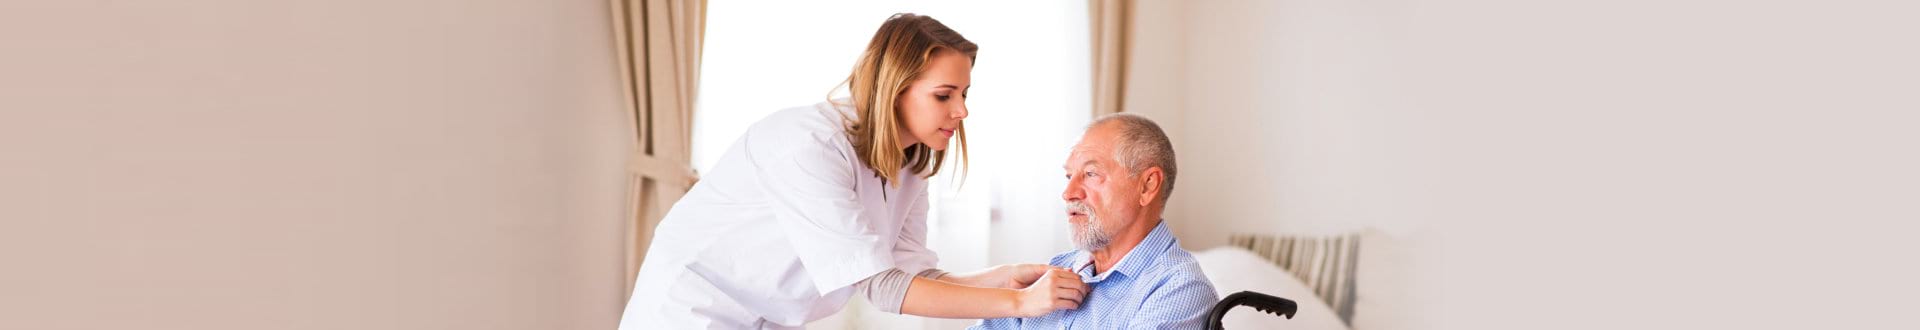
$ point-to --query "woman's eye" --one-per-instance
(942, 97)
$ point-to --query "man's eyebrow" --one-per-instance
(1089, 162)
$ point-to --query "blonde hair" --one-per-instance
(896, 57)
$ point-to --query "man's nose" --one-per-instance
(1073, 192)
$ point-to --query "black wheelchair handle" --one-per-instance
(1262, 302)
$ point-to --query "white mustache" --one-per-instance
(1079, 207)
(1090, 235)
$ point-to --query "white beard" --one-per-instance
(1091, 235)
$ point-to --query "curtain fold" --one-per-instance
(1112, 27)
(657, 44)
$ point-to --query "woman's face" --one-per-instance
(931, 109)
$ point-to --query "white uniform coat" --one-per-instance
(778, 232)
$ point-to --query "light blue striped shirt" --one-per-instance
(1158, 285)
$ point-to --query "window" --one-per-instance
(1027, 105)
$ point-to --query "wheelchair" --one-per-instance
(1272, 305)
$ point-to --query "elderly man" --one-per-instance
(1118, 180)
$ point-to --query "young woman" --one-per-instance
(816, 204)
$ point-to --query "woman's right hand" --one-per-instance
(1014, 276)
(1058, 289)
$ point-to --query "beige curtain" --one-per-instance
(1112, 25)
(658, 44)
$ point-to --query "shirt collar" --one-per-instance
(1134, 262)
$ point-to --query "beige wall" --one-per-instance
(1281, 110)
(1283, 116)
(229, 164)
(1562, 165)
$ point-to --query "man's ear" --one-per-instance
(1150, 181)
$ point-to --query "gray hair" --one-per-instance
(1142, 145)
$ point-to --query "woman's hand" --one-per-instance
(1011, 276)
(1055, 289)
(1020, 276)
(1016, 276)
(1041, 289)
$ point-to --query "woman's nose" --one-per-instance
(960, 112)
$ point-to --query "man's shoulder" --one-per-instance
(1177, 267)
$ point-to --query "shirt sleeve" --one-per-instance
(811, 185)
(1179, 304)
(910, 250)
(888, 290)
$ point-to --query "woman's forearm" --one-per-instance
(936, 298)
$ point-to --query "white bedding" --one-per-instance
(1232, 269)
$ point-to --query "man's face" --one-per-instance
(1101, 197)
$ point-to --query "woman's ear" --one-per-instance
(1150, 181)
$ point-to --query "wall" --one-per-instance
(1667, 164)
(220, 164)
(1284, 118)
(1283, 110)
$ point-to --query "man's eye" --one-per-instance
(1090, 173)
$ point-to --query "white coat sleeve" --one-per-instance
(812, 187)
(910, 252)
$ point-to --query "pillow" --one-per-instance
(1232, 269)
(1387, 291)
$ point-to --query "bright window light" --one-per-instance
(1028, 102)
